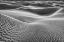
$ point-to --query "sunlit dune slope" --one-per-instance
(43, 31)
(27, 27)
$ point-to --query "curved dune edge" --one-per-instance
(23, 14)
(33, 31)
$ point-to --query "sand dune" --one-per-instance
(27, 27)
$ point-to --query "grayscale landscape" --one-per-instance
(31, 22)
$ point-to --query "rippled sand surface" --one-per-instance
(24, 26)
